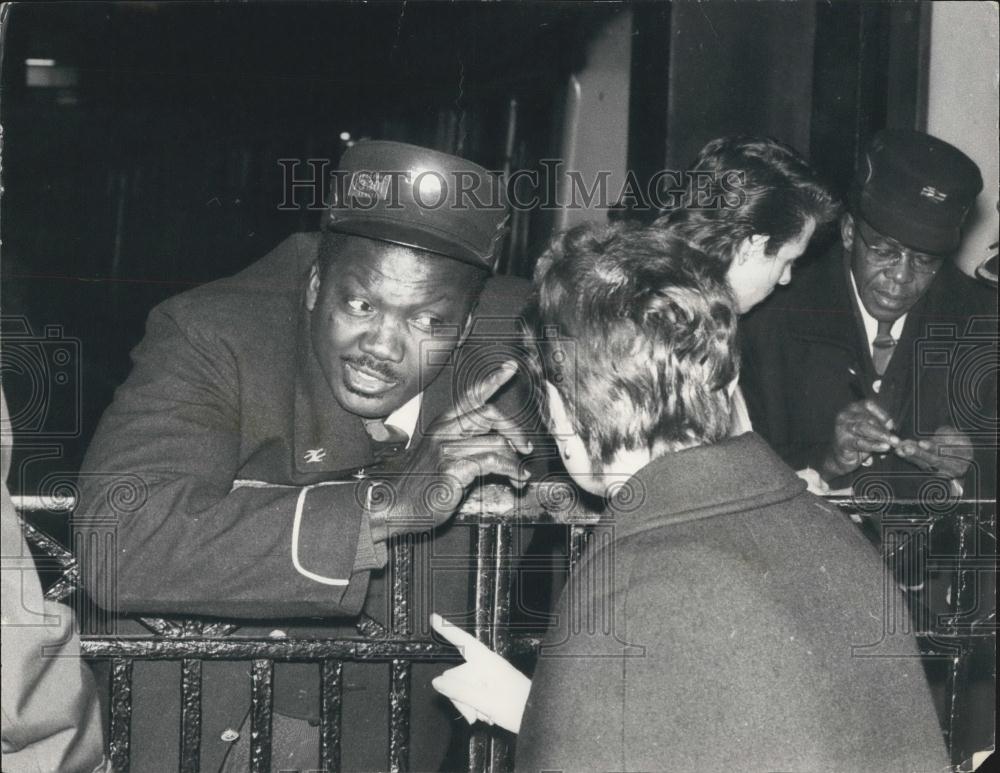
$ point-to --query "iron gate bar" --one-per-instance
(960, 667)
(488, 750)
(969, 539)
(261, 701)
(577, 542)
(190, 715)
(121, 713)
(524, 510)
(331, 702)
(500, 748)
(401, 569)
(525, 645)
(399, 716)
(61, 559)
(313, 650)
(480, 755)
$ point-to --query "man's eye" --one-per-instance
(426, 321)
(358, 305)
(925, 261)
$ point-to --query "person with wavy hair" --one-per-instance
(650, 351)
(713, 618)
(752, 206)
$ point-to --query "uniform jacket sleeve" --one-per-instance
(164, 529)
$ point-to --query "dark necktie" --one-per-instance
(387, 441)
(882, 347)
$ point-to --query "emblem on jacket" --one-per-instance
(315, 455)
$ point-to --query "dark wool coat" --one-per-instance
(225, 388)
(728, 620)
(799, 347)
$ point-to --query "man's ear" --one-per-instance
(752, 246)
(312, 288)
(847, 231)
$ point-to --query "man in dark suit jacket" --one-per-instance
(721, 617)
(877, 367)
(874, 366)
(262, 415)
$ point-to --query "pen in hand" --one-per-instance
(856, 385)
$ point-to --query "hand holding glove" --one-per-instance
(486, 687)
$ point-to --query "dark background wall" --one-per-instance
(144, 160)
(739, 68)
(147, 162)
(822, 77)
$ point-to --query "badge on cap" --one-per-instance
(368, 188)
(932, 193)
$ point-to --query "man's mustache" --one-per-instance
(379, 367)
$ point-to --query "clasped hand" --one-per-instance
(473, 439)
(863, 428)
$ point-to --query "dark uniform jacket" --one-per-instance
(799, 348)
(225, 466)
(728, 620)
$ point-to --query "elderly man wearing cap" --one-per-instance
(280, 425)
(877, 366)
(856, 369)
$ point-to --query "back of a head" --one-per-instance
(636, 337)
(741, 186)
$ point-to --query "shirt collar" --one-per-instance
(327, 438)
(871, 324)
(740, 422)
(405, 417)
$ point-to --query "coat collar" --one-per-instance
(837, 322)
(328, 439)
(737, 474)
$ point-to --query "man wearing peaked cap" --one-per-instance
(850, 389)
(877, 365)
(286, 421)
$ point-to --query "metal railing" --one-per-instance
(905, 527)
(193, 641)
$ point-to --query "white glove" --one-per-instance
(486, 687)
(816, 484)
